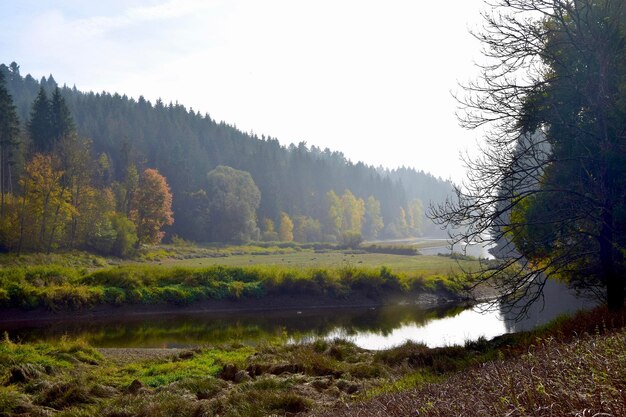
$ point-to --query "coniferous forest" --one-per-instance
(101, 155)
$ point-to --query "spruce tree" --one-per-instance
(61, 118)
(40, 125)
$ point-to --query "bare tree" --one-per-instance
(549, 185)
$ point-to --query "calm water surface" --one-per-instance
(374, 328)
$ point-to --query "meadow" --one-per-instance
(181, 275)
(426, 265)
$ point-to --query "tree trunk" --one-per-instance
(613, 280)
(615, 292)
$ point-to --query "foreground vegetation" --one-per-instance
(570, 366)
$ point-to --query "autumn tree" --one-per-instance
(414, 217)
(45, 206)
(285, 229)
(345, 213)
(151, 208)
(269, 230)
(307, 229)
(74, 154)
(353, 213)
(373, 219)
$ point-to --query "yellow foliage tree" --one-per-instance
(353, 213)
(46, 207)
(335, 213)
(285, 230)
(151, 207)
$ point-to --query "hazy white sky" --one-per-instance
(372, 79)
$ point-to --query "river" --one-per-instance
(370, 328)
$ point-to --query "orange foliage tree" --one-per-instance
(151, 207)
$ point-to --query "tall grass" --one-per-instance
(62, 288)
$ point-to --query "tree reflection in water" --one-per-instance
(371, 328)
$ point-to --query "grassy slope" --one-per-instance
(558, 370)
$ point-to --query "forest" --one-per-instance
(107, 173)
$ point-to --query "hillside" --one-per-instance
(185, 145)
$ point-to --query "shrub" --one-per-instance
(41, 276)
(391, 249)
(126, 236)
(114, 295)
(71, 297)
(351, 239)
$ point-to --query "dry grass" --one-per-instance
(572, 375)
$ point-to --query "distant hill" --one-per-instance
(185, 145)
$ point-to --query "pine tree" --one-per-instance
(40, 125)
(61, 121)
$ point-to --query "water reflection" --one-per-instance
(466, 325)
(476, 250)
(374, 328)
(557, 300)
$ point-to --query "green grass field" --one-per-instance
(183, 274)
(294, 256)
(426, 265)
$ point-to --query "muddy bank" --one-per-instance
(228, 307)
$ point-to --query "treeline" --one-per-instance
(225, 210)
(54, 194)
(184, 146)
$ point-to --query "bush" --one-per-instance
(114, 295)
(44, 276)
(269, 236)
(391, 249)
(126, 236)
(351, 240)
(174, 295)
(104, 237)
(71, 297)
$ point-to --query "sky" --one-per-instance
(372, 79)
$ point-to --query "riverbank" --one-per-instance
(69, 377)
(53, 291)
(226, 308)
